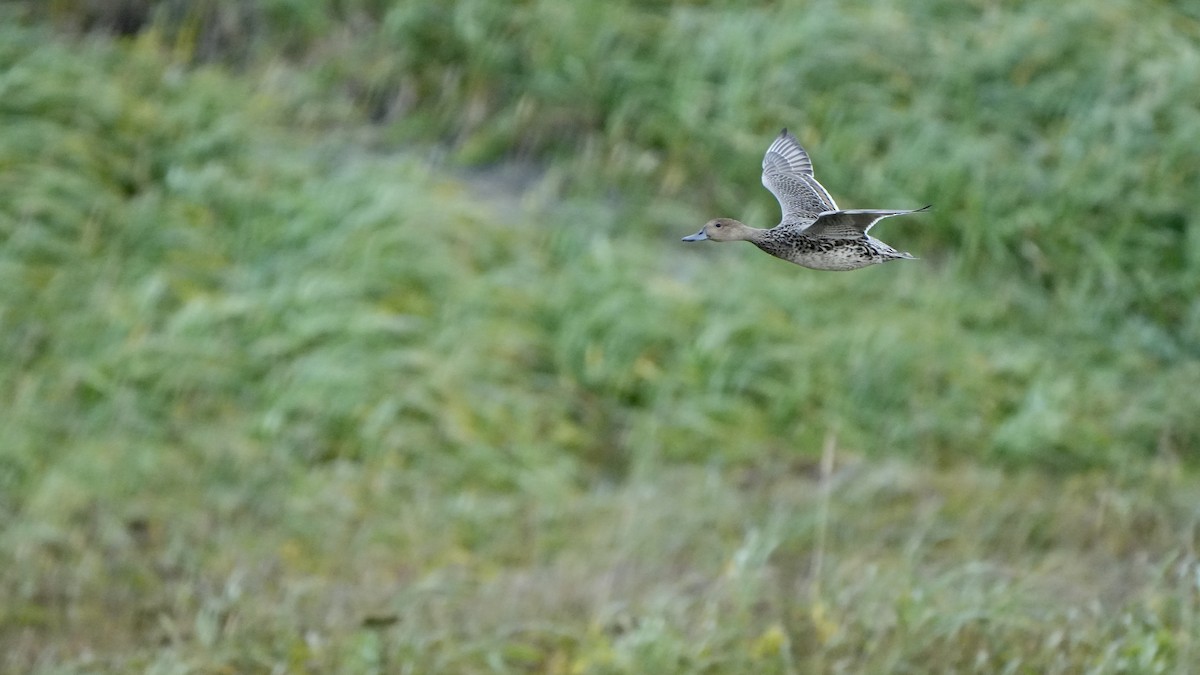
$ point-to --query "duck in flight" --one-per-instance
(814, 233)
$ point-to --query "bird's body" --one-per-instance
(813, 233)
(820, 253)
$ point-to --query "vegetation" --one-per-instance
(356, 337)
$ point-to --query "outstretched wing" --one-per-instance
(788, 174)
(851, 224)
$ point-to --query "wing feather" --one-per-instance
(788, 174)
(851, 224)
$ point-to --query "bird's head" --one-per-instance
(722, 229)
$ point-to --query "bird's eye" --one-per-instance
(718, 224)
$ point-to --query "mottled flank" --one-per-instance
(813, 232)
(791, 244)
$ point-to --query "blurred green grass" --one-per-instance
(281, 392)
(1035, 119)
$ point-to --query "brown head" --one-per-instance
(724, 229)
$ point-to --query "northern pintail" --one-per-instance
(814, 233)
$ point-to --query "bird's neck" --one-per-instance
(756, 235)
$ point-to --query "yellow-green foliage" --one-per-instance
(276, 394)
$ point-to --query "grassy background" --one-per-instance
(357, 337)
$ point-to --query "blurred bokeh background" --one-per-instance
(357, 336)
